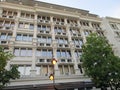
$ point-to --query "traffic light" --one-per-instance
(51, 77)
(54, 61)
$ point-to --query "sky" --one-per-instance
(102, 8)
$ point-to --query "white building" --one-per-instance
(35, 32)
(112, 32)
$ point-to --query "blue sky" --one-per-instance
(100, 7)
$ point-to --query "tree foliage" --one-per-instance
(100, 63)
(6, 75)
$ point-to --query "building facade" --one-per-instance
(35, 32)
(112, 31)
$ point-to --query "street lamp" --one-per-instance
(51, 77)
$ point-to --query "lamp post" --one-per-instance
(52, 76)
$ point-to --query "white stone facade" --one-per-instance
(35, 32)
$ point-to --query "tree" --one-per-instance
(100, 63)
(6, 75)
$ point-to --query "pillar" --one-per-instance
(77, 71)
(33, 70)
(1, 10)
(16, 26)
(33, 67)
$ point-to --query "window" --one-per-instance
(114, 26)
(58, 53)
(39, 27)
(78, 53)
(68, 54)
(49, 53)
(43, 28)
(24, 70)
(21, 25)
(66, 69)
(3, 36)
(49, 40)
(19, 37)
(31, 27)
(44, 52)
(26, 25)
(16, 52)
(24, 37)
(23, 52)
(30, 37)
(7, 23)
(9, 36)
(38, 69)
(29, 52)
(63, 53)
(38, 52)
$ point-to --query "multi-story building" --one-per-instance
(112, 32)
(35, 32)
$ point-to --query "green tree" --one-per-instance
(6, 75)
(100, 63)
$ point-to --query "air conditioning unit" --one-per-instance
(79, 34)
(56, 22)
(66, 45)
(47, 31)
(41, 21)
(3, 42)
(7, 27)
(47, 44)
(41, 60)
(46, 21)
(58, 33)
(61, 23)
(60, 45)
(64, 33)
(77, 46)
(4, 16)
(10, 16)
(41, 31)
(40, 44)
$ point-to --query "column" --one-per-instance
(16, 26)
(33, 70)
(78, 23)
(51, 18)
(57, 72)
(54, 45)
(90, 24)
(65, 20)
(33, 67)
(68, 32)
(1, 10)
(35, 31)
(77, 71)
(83, 35)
